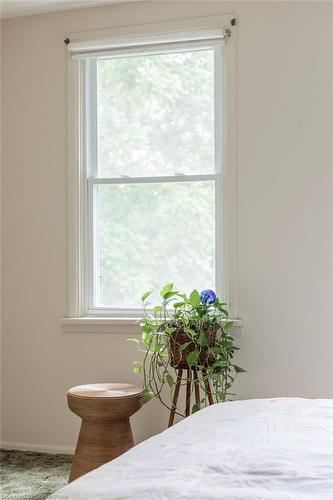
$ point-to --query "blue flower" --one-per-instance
(207, 297)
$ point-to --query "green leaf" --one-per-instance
(147, 396)
(145, 328)
(147, 338)
(157, 309)
(238, 369)
(221, 363)
(167, 295)
(169, 380)
(202, 340)
(133, 340)
(170, 329)
(183, 346)
(178, 304)
(138, 368)
(167, 288)
(146, 295)
(195, 298)
(217, 369)
(228, 324)
(190, 331)
(192, 357)
(195, 408)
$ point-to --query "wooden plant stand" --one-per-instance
(105, 429)
(189, 382)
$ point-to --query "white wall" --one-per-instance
(285, 280)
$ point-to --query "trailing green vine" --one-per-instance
(187, 332)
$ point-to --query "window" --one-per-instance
(150, 153)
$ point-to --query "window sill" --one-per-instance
(128, 326)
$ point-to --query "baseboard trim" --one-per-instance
(39, 448)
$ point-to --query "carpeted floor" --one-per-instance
(26, 475)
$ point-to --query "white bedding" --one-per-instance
(260, 449)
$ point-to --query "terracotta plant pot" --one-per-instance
(178, 357)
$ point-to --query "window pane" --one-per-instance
(156, 114)
(150, 234)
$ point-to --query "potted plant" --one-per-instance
(187, 335)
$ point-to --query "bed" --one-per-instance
(261, 449)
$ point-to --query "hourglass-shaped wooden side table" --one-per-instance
(105, 429)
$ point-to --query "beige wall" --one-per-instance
(284, 71)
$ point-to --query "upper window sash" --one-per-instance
(89, 67)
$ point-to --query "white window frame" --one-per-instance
(79, 188)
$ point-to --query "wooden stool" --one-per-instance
(105, 429)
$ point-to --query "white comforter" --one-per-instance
(260, 449)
